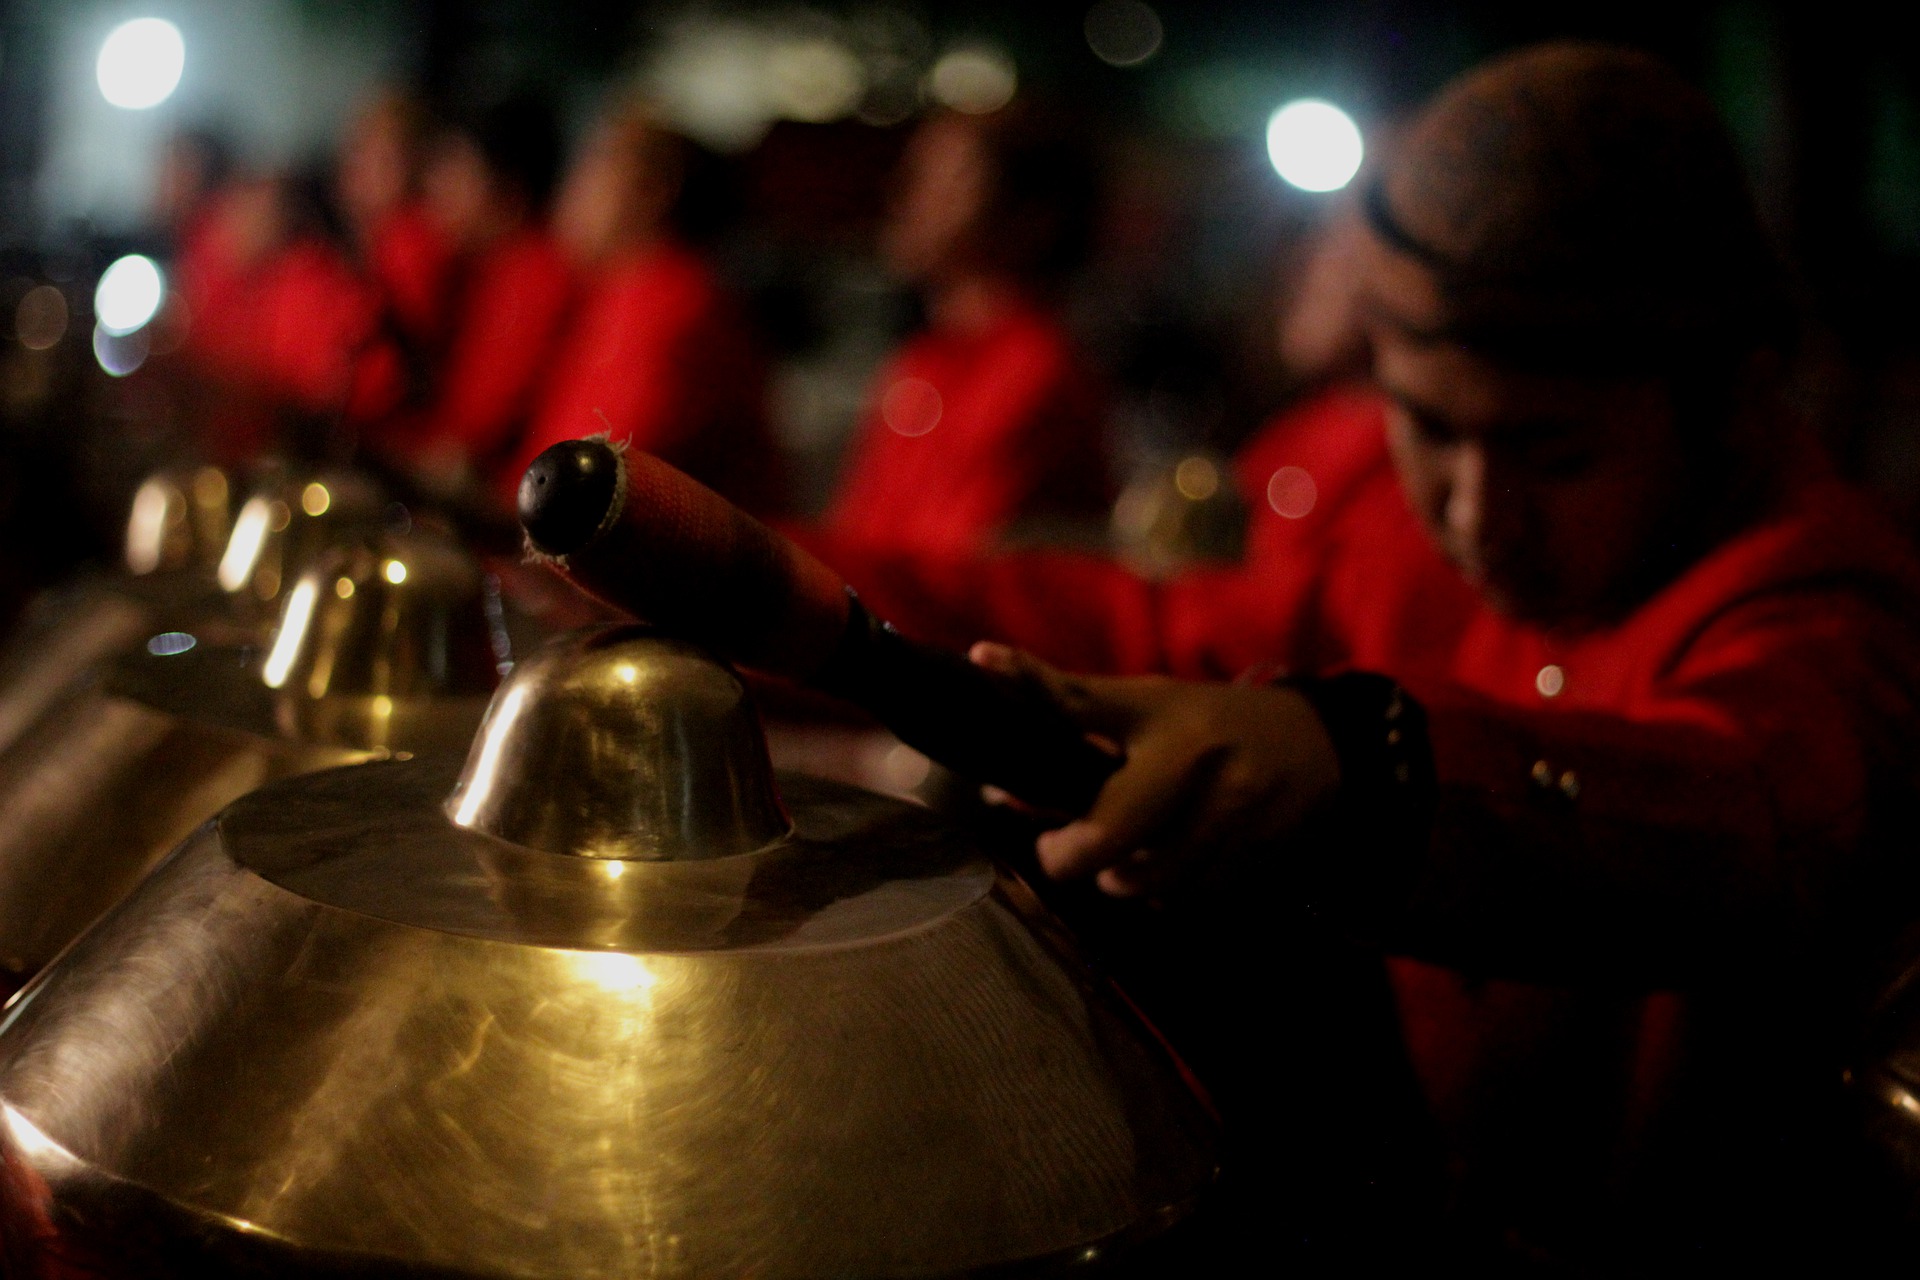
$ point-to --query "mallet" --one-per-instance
(646, 538)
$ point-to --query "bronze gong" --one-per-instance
(605, 1002)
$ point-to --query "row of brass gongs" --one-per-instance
(607, 999)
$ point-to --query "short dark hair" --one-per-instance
(519, 138)
(1583, 208)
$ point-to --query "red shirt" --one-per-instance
(969, 432)
(507, 306)
(1659, 845)
(290, 330)
(412, 264)
(210, 281)
(313, 318)
(657, 356)
(289, 326)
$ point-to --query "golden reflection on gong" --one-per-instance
(250, 530)
(293, 633)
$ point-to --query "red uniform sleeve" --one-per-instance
(1310, 479)
(411, 263)
(630, 367)
(1725, 824)
(966, 435)
(315, 319)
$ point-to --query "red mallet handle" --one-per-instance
(632, 531)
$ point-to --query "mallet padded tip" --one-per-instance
(570, 494)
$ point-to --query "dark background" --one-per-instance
(1200, 238)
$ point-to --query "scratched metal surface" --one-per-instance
(343, 1033)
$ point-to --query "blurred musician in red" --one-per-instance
(1598, 708)
(486, 189)
(393, 235)
(195, 169)
(276, 314)
(656, 354)
(987, 418)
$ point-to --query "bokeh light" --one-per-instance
(911, 407)
(153, 517)
(40, 321)
(1314, 145)
(120, 353)
(1197, 478)
(292, 634)
(249, 536)
(140, 63)
(1292, 493)
(815, 81)
(128, 294)
(171, 644)
(1123, 33)
(975, 80)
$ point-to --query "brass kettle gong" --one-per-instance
(382, 647)
(604, 1002)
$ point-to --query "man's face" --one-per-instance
(938, 200)
(601, 202)
(458, 191)
(1553, 494)
(374, 166)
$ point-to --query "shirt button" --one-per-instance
(1550, 681)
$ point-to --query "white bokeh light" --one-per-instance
(814, 81)
(121, 353)
(128, 294)
(1314, 145)
(976, 80)
(140, 63)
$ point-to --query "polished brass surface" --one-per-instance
(340, 1033)
(861, 868)
(802, 1068)
(180, 520)
(612, 744)
(94, 792)
(371, 628)
(46, 665)
(175, 530)
(64, 636)
(1885, 1084)
(285, 524)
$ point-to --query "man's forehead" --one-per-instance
(1472, 397)
(1420, 361)
(1397, 292)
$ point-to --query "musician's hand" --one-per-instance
(1212, 771)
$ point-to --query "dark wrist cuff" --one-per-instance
(1379, 732)
(1387, 783)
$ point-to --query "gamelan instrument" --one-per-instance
(646, 538)
(383, 647)
(190, 565)
(609, 1000)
